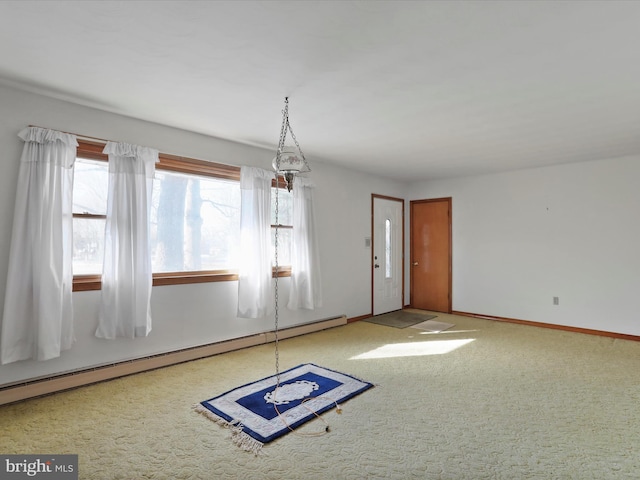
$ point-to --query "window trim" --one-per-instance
(93, 151)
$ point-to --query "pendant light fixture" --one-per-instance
(289, 160)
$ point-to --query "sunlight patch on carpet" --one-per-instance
(414, 349)
(304, 392)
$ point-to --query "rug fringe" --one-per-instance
(238, 437)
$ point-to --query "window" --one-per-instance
(285, 225)
(195, 220)
(195, 223)
(89, 215)
(388, 249)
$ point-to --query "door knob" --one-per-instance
(415, 264)
(376, 266)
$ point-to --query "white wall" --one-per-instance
(197, 314)
(572, 231)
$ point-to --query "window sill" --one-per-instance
(84, 283)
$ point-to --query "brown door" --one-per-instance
(431, 254)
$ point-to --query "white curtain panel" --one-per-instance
(37, 321)
(125, 309)
(255, 294)
(306, 288)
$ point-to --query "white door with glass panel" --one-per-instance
(387, 254)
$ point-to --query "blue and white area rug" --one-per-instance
(304, 392)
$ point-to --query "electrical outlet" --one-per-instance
(556, 300)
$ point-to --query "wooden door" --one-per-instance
(431, 254)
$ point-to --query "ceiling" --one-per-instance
(410, 90)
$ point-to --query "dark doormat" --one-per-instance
(400, 319)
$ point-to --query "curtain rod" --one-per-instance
(81, 137)
(97, 139)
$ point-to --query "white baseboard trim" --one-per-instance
(69, 380)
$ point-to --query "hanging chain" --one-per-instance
(283, 134)
(295, 140)
(276, 282)
(283, 129)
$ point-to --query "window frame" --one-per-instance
(175, 163)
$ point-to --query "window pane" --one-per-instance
(90, 185)
(88, 246)
(285, 206)
(284, 246)
(195, 223)
(285, 217)
(387, 248)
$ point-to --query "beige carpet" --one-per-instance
(483, 400)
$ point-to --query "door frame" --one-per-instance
(393, 199)
(449, 202)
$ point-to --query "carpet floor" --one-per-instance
(482, 400)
